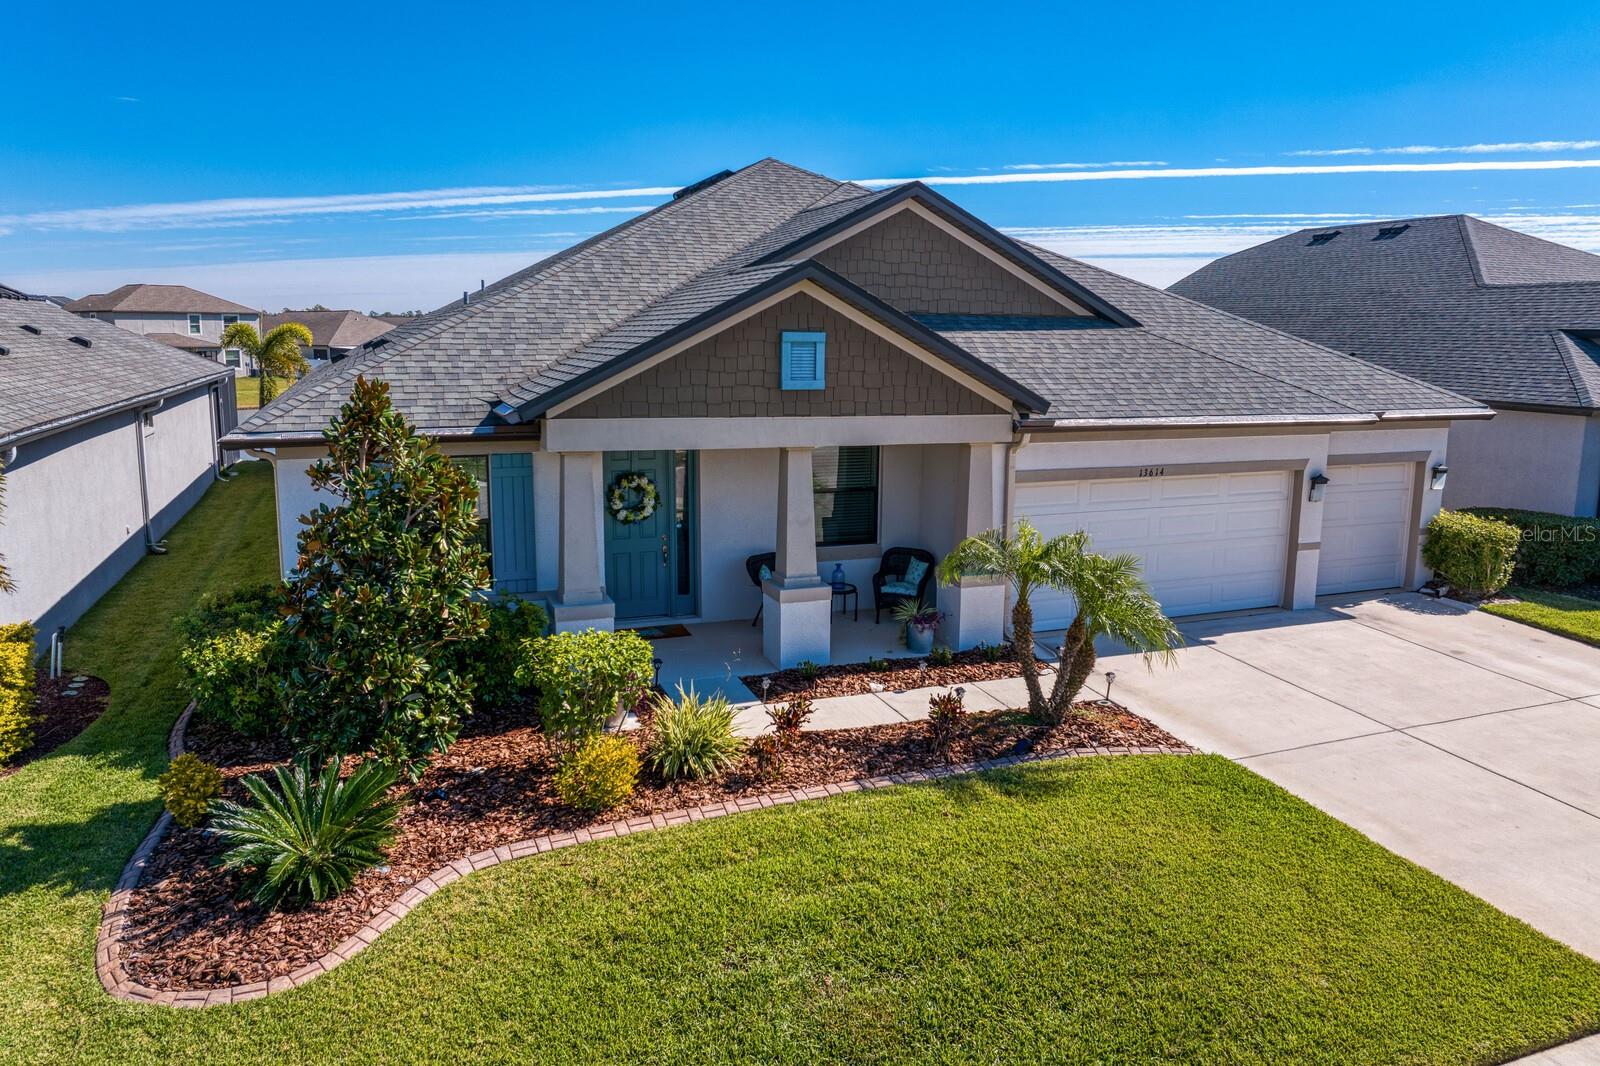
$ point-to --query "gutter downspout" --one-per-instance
(216, 432)
(151, 545)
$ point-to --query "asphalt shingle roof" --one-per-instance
(48, 380)
(578, 312)
(1470, 306)
(156, 299)
(331, 329)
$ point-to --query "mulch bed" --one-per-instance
(188, 927)
(852, 679)
(66, 706)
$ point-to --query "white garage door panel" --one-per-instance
(1209, 542)
(1365, 521)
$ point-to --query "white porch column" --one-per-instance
(581, 601)
(797, 604)
(974, 608)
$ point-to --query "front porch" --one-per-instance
(728, 510)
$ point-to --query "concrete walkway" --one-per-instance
(888, 707)
(1467, 743)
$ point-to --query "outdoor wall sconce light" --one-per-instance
(1319, 487)
(1440, 472)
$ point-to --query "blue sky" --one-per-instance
(389, 157)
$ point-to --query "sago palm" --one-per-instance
(1109, 596)
(277, 355)
(308, 839)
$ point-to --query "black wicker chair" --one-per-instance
(752, 566)
(893, 568)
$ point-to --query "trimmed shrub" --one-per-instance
(599, 774)
(941, 655)
(16, 689)
(1475, 555)
(947, 720)
(310, 837)
(586, 678)
(693, 736)
(237, 677)
(788, 719)
(187, 788)
(492, 660)
(1557, 551)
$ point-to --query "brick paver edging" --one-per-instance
(108, 948)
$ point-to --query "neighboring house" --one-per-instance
(333, 333)
(1508, 319)
(807, 367)
(107, 438)
(174, 314)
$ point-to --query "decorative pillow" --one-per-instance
(766, 572)
(914, 571)
(900, 588)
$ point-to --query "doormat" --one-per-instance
(660, 632)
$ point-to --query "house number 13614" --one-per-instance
(1152, 471)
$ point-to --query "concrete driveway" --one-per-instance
(1467, 743)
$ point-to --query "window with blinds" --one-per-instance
(844, 490)
(805, 357)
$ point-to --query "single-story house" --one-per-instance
(806, 367)
(107, 438)
(333, 333)
(174, 314)
(1509, 319)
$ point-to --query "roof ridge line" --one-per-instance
(1580, 385)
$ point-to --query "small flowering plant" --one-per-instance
(915, 614)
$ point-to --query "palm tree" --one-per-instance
(277, 355)
(1111, 600)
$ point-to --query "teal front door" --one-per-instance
(640, 555)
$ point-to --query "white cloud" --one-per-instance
(1240, 172)
(1457, 149)
(251, 210)
(520, 212)
(1077, 166)
(1291, 214)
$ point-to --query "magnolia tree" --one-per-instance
(386, 589)
(1110, 598)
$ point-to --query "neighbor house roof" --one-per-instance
(1486, 311)
(173, 299)
(187, 341)
(511, 351)
(331, 329)
(53, 381)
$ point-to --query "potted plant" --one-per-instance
(919, 621)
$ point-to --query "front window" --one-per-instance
(194, 325)
(229, 320)
(477, 466)
(232, 356)
(844, 488)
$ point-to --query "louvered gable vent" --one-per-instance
(805, 357)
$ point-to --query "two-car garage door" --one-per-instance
(1220, 541)
(1209, 542)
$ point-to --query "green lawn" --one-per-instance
(247, 390)
(1116, 910)
(1570, 616)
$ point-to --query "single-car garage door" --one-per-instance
(1209, 542)
(1366, 522)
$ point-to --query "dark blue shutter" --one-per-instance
(511, 520)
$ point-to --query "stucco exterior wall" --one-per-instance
(739, 374)
(910, 263)
(73, 523)
(1538, 461)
